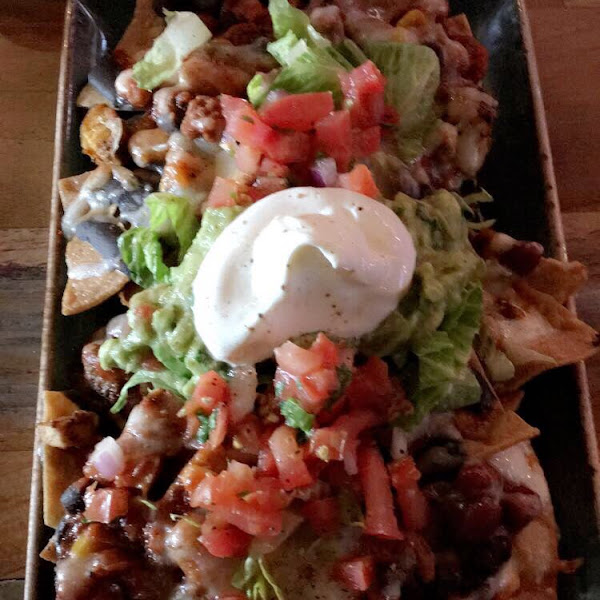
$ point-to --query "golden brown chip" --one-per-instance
(60, 467)
(504, 429)
(100, 134)
(535, 332)
(558, 279)
(77, 430)
(69, 188)
(83, 294)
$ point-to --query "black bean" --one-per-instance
(72, 497)
(441, 459)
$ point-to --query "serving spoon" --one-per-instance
(108, 21)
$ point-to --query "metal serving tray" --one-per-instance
(518, 173)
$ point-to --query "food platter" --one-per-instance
(518, 169)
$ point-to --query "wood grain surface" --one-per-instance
(568, 50)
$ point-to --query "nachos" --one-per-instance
(310, 391)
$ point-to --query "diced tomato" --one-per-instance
(264, 186)
(249, 519)
(323, 515)
(266, 463)
(363, 89)
(370, 387)
(297, 361)
(210, 390)
(380, 519)
(411, 500)
(299, 112)
(328, 443)
(204, 461)
(247, 159)
(366, 141)
(237, 497)
(334, 138)
(292, 469)
(425, 556)
(107, 504)
(222, 193)
(310, 376)
(243, 123)
(320, 384)
(270, 168)
(364, 79)
(327, 350)
(224, 540)
(360, 180)
(288, 147)
(340, 440)
(356, 573)
(246, 435)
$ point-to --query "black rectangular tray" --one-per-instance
(518, 173)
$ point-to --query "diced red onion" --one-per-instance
(242, 386)
(324, 172)
(108, 459)
(399, 447)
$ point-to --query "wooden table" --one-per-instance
(568, 50)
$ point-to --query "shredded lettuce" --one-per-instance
(173, 226)
(164, 380)
(351, 52)
(169, 335)
(184, 32)
(173, 218)
(443, 380)
(413, 78)
(295, 416)
(286, 17)
(254, 579)
(142, 252)
(430, 335)
(309, 60)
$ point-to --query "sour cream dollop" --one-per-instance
(299, 261)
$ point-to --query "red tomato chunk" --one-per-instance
(356, 573)
(299, 112)
(380, 519)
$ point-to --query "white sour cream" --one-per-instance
(299, 261)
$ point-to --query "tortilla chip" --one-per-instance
(558, 279)
(83, 294)
(535, 551)
(56, 405)
(512, 400)
(535, 332)
(100, 134)
(61, 467)
(69, 188)
(498, 431)
(77, 430)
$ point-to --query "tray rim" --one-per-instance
(552, 207)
